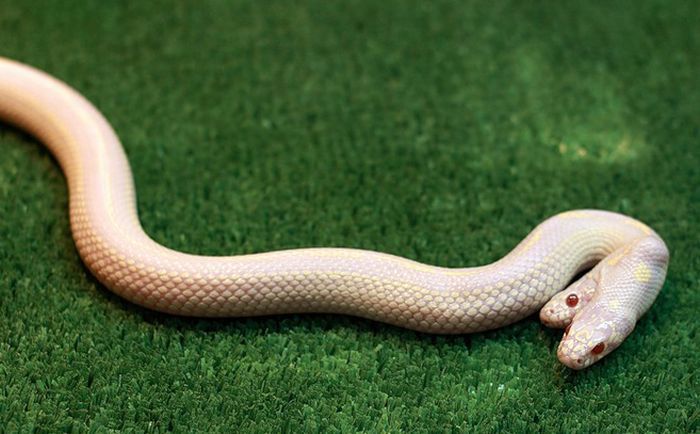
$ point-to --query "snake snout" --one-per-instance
(552, 318)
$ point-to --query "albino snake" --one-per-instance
(599, 310)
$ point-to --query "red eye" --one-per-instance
(572, 300)
(598, 348)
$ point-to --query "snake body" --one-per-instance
(629, 259)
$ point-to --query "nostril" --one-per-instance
(579, 361)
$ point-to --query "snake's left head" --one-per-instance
(563, 306)
(594, 333)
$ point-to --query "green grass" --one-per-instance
(440, 131)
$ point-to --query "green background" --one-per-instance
(441, 131)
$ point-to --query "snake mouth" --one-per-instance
(575, 362)
(555, 318)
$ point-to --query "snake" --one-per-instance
(591, 272)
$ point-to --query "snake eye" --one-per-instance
(598, 348)
(572, 300)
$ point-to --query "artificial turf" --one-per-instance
(441, 131)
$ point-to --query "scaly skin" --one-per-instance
(632, 259)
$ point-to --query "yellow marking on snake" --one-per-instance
(642, 273)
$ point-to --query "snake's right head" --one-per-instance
(593, 334)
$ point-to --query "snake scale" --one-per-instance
(627, 260)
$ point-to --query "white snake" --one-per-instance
(599, 310)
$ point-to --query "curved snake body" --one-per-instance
(599, 310)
